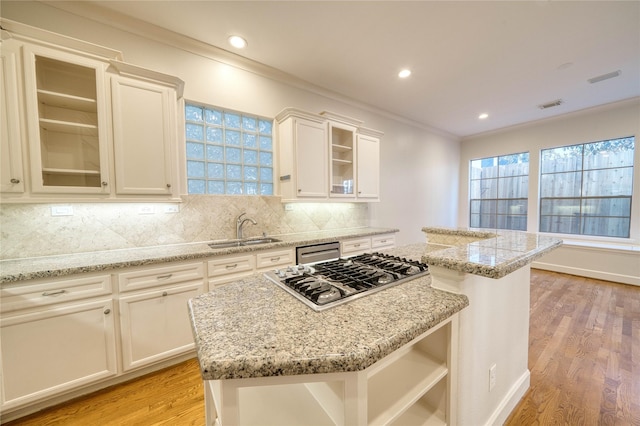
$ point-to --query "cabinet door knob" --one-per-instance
(299, 190)
(107, 311)
(104, 183)
(168, 185)
(164, 293)
(15, 180)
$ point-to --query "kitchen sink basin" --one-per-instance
(243, 243)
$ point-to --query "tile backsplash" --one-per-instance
(29, 230)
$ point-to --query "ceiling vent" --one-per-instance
(551, 104)
(604, 77)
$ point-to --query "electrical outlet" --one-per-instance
(171, 208)
(61, 210)
(492, 377)
(288, 207)
(146, 210)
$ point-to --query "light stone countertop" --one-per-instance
(253, 328)
(488, 254)
(15, 270)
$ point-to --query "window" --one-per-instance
(228, 152)
(586, 189)
(499, 189)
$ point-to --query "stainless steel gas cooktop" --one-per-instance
(324, 285)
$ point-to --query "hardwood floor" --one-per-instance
(584, 353)
(584, 357)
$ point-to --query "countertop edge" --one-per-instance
(142, 256)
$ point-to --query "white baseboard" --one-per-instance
(511, 399)
(600, 275)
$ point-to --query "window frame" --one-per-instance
(545, 202)
(220, 175)
(500, 219)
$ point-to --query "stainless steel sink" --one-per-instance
(242, 243)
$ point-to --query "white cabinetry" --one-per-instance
(368, 161)
(67, 121)
(412, 386)
(154, 322)
(225, 269)
(56, 335)
(303, 154)
(360, 245)
(327, 157)
(11, 168)
(144, 130)
(86, 122)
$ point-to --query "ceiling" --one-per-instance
(503, 58)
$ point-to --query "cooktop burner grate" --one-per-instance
(326, 284)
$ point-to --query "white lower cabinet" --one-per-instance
(226, 269)
(357, 246)
(55, 349)
(415, 385)
(154, 322)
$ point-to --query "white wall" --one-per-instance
(614, 259)
(419, 166)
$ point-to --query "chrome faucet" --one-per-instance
(240, 222)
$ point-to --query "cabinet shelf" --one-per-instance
(341, 148)
(63, 100)
(341, 162)
(69, 127)
(53, 171)
(396, 388)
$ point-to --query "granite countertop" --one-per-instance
(253, 328)
(492, 254)
(15, 270)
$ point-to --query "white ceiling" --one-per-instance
(467, 57)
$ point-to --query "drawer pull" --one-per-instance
(357, 245)
(164, 277)
(383, 241)
(107, 311)
(54, 293)
(275, 259)
(231, 266)
(164, 293)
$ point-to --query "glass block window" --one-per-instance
(499, 190)
(228, 152)
(586, 189)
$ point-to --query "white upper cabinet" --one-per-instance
(11, 169)
(368, 160)
(144, 108)
(303, 154)
(67, 121)
(93, 128)
(327, 157)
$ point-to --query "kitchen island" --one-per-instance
(382, 358)
(255, 342)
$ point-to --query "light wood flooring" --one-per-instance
(584, 357)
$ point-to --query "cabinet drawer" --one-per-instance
(47, 292)
(359, 245)
(231, 265)
(383, 241)
(272, 259)
(154, 276)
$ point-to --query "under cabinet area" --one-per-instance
(411, 386)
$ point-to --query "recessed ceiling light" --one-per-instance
(237, 42)
(404, 73)
(483, 116)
